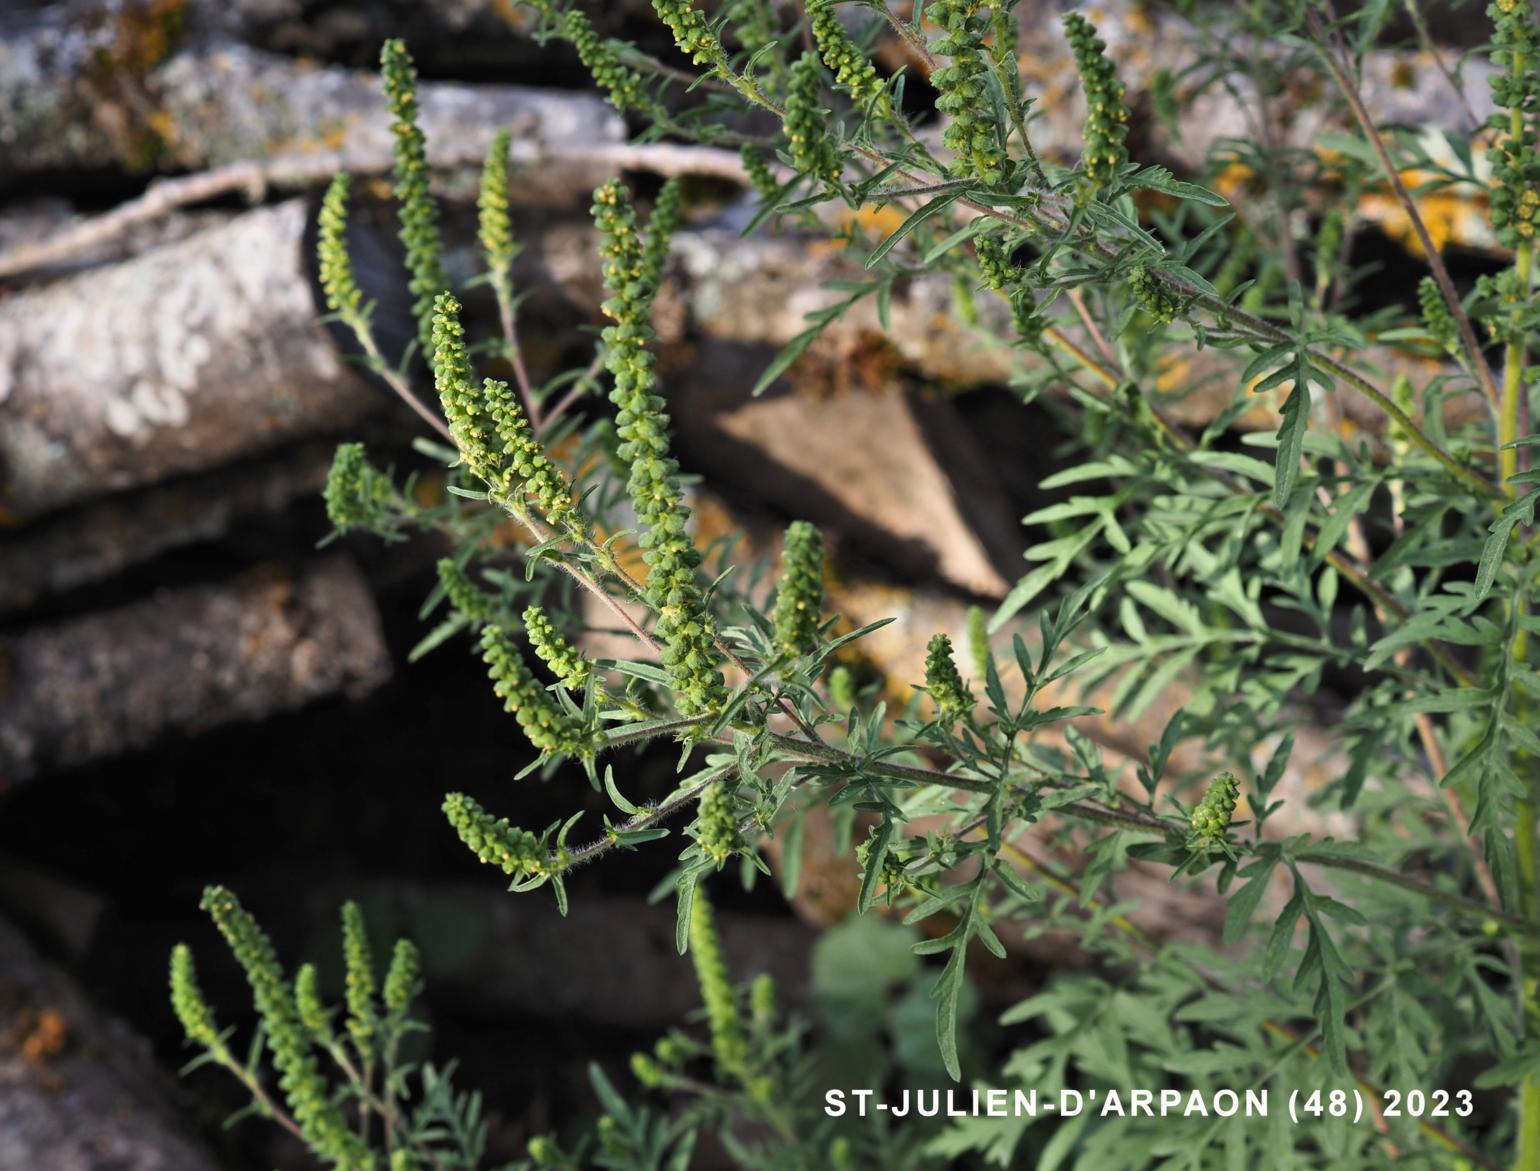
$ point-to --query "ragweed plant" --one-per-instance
(1379, 574)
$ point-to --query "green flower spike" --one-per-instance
(466, 598)
(995, 267)
(343, 296)
(1211, 819)
(1157, 300)
(964, 90)
(568, 665)
(548, 727)
(942, 680)
(494, 225)
(314, 1110)
(359, 983)
(716, 986)
(673, 587)
(358, 495)
(667, 215)
(403, 979)
(625, 86)
(493, 840)
(1106, 120)
(691, 32)
(716, 828)
(419, 210)
(1436, 318)
(1515, 159)
(799, 597)
(806, 124)
(853, 70)
(187, 1001)
(490, 427)
(757, 167)
(310, 1006)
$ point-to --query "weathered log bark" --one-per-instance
(78, 1090)
(184, 661)
(67, 102)
(175, 361)
(81, 546)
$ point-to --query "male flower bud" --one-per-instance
(807, 130)
(942, 680)
(1211, 819)
(716, 828)
(194, 1013)
(799, 597)
(1106, 119)
(853, 70)
(568, 665)
(403, 979)
(1157, 300)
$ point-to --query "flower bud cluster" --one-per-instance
(626, 88)
(358, 495)
(1151, 293)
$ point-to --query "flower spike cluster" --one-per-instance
(716, 828)
(963, 86)
(419, 210)
(491, 429)
(799, 597)
(853, 70)
(548, 727)
(1106, 118)
(403, 979)
(315, 1112)
(673, 587)
(358, 968)
(1436, 318)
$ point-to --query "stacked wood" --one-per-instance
(78, 1090)
(182, 662)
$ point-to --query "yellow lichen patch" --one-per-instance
(875, 223)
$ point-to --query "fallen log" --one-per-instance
(78, 1090)
(175, 361)
(73, 104)
(89, 544)
(184, 661)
